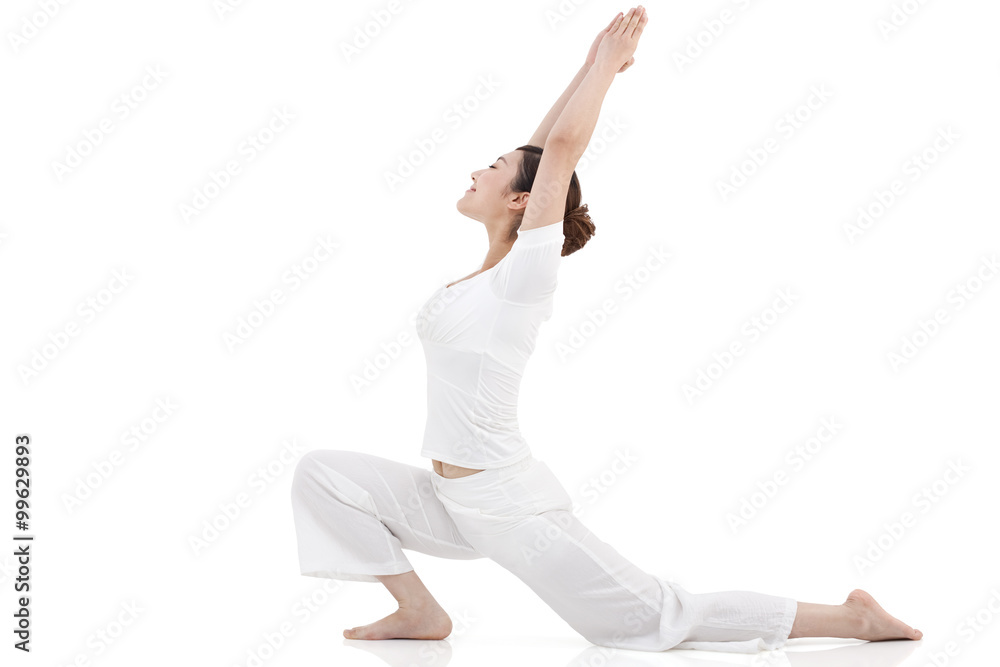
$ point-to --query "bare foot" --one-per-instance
(428, 622)
(874, 623)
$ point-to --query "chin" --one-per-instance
(460, 205)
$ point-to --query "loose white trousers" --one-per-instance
(354, 514)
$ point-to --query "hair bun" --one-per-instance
(578, 228)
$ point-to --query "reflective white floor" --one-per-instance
(506, 625)
(798, 653)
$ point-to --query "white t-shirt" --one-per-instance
(477, 337)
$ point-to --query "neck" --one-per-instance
(501, 240)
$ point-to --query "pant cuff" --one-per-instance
(358, 575)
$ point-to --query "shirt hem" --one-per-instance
(503, 463)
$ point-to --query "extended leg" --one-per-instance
(524, 522)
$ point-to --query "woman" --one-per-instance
(487, 496)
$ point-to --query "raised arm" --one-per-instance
(576, 123)
(568, 138)
(542, 133)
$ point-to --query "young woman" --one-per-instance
(487, 496)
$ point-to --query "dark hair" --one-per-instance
(577, 225)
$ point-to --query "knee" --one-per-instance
(304, 470)
(307, 463)
(313, 465)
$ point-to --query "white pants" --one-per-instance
(354, 514)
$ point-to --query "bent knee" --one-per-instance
(314, 465)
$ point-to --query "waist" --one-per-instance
(488, 476)
(450, 471)
(468, 458)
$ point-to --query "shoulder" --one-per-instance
(542, 234)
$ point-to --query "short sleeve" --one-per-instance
(527, 274)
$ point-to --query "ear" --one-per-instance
(520, 202)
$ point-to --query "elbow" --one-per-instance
(569, 148)
(560, 141)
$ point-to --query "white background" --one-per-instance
(669, 134)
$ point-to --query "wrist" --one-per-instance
(602, 69)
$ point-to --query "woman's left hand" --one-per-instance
(592, 56)
(621, 39)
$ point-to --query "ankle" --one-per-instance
(859, 623)
(421, 605)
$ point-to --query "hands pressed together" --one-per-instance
(616, 43)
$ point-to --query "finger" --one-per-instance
(617, 22)
(612, 22)
(633, 22)
(622, 22)
(643, 20)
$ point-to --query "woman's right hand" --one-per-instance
(619, 43)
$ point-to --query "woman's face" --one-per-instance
(485, 198)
